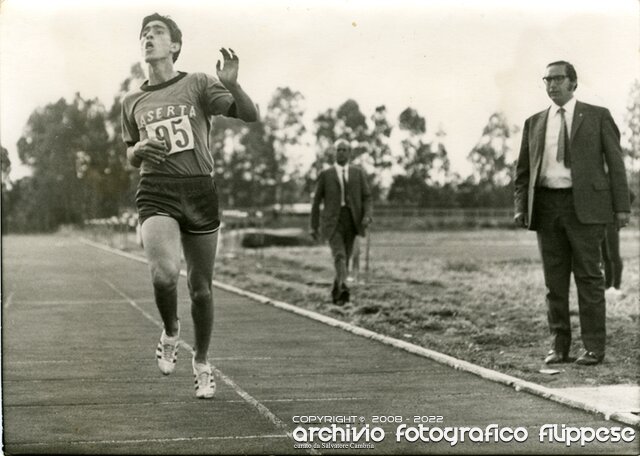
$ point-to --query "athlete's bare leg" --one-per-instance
(161, 241)
(200, 255)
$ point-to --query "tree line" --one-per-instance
(79, 169)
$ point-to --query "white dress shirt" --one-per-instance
(346, 179)
(553, 174)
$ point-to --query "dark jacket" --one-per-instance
(599, 180)
(328, 192)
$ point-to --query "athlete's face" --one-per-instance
(155, 41)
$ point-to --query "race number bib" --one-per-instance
(176, 133)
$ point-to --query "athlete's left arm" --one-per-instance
(245, 108)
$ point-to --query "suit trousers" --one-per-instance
(341, 244)
(568, 245)
(611, 258)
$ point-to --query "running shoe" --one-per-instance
(205, 385)
(167, 352)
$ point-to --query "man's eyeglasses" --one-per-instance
(342, 149)
(559, 79)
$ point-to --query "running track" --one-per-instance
(79, 331)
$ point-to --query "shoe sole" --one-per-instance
(206, 396)
(167, 371)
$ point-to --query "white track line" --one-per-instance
(72, 302)
(517, 383)
(243, 358)
(142, 441)
(318, 399)
(37, 362)
(262, 410)
(133, 304)
(157, 403)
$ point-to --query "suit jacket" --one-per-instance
(599, 180)
(328, 191)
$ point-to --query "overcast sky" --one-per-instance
(456, 62)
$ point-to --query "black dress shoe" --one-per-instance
(345, 296)
(589, 359)
(555, 357)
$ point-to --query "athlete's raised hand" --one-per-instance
(228, 71)
(245, 109)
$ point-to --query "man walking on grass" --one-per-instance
(344, 191)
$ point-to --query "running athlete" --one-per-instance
(165, 127)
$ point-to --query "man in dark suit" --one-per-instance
(345, 192)
(570, 182)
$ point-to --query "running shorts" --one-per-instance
(191, 200)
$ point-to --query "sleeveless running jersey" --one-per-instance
(176, 112)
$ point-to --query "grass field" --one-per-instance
(476, 295)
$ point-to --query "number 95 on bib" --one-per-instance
(176, 133)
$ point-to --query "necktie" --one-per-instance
(345, 201)
(563, 142)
